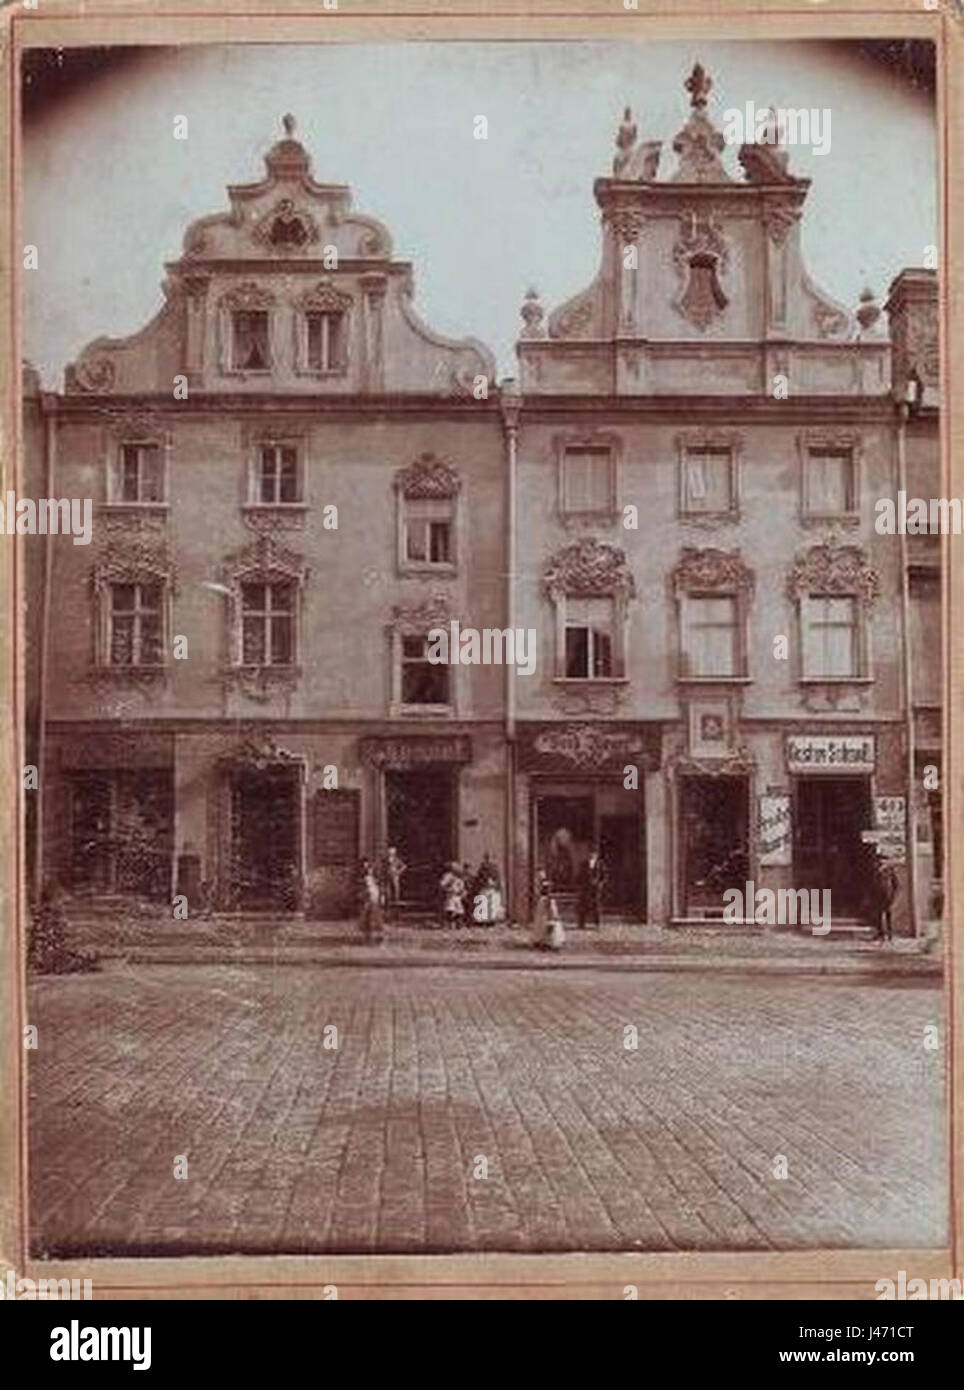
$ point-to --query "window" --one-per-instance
(428, 532)
(326, 341)
(249, 340)
(423, 682)
(830, 638)
(589, 639)
(135, 625)
(830, 483)
(711, 635)
(268, 624)
(139, 474)
(278, 478)
(588, 479)
(708, 481)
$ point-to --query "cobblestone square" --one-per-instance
(441, 1075)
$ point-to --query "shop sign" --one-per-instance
(403, 752)
(824, 753)
(774, 831)
(588, 748)
(890, 837)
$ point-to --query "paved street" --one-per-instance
(440, 1073)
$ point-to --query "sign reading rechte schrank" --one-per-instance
(822, 753)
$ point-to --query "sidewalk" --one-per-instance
(146, 937)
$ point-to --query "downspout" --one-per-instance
(908, 679)
(511, 403)
(48, 403)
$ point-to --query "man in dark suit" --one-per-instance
(592, 876)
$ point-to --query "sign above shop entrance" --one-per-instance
(823, 753)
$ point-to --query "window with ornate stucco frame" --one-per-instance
(243, 348)
(410, 625)
(588, 476)
(706, 579)
(322, 329)
(427, 516)
(830, 475)
(577, 581)
(709, 464)
(137, 468)
(833, 587)
(133, 592)
(281, 575)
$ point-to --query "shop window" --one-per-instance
(135, 617)
(831, 638)
(589, 639)
(268, 624)
(422, 682)
(249, 340)
(708, 481)
(137, 475)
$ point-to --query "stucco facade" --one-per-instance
(294, 480)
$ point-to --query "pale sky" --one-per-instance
(108, 191)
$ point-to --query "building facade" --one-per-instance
(293, 479)
(736, 673)
(296, 482)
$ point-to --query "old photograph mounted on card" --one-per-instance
(484, 713)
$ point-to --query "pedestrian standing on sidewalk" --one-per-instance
(592, 876)
(549, 934)
(370, 902)
(452, 890)
(486, 893)
(886, 884)
(392, 872)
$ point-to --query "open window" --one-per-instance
(427, 494)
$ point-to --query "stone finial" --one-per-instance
(868, 311)
(698, 84)
(765, 158)
(532, 315)
(288, 122)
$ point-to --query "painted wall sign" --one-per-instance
(823, 753)
(774, 831)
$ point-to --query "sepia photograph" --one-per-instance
(480, 528)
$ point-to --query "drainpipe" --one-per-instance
(48, 405)
(908, 678)
(511, 403)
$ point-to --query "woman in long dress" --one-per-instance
(549, 934)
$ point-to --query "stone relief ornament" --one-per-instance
(589, 567)
(95, 374)
(831, 567)
(286, 228)
(427, 477)
(700, 256)
(532, 314)
(709, 569)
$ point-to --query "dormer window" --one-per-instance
(323, 330)
(249, 340)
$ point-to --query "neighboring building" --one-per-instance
(311, 385)
(735, 671)
(739, 638)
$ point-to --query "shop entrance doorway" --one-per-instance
(828, 853)
(420, 823)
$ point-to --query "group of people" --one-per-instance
(590, 878)
(465, 896)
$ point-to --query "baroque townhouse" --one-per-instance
(249, 623)
(702, 437)
(738, 677)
